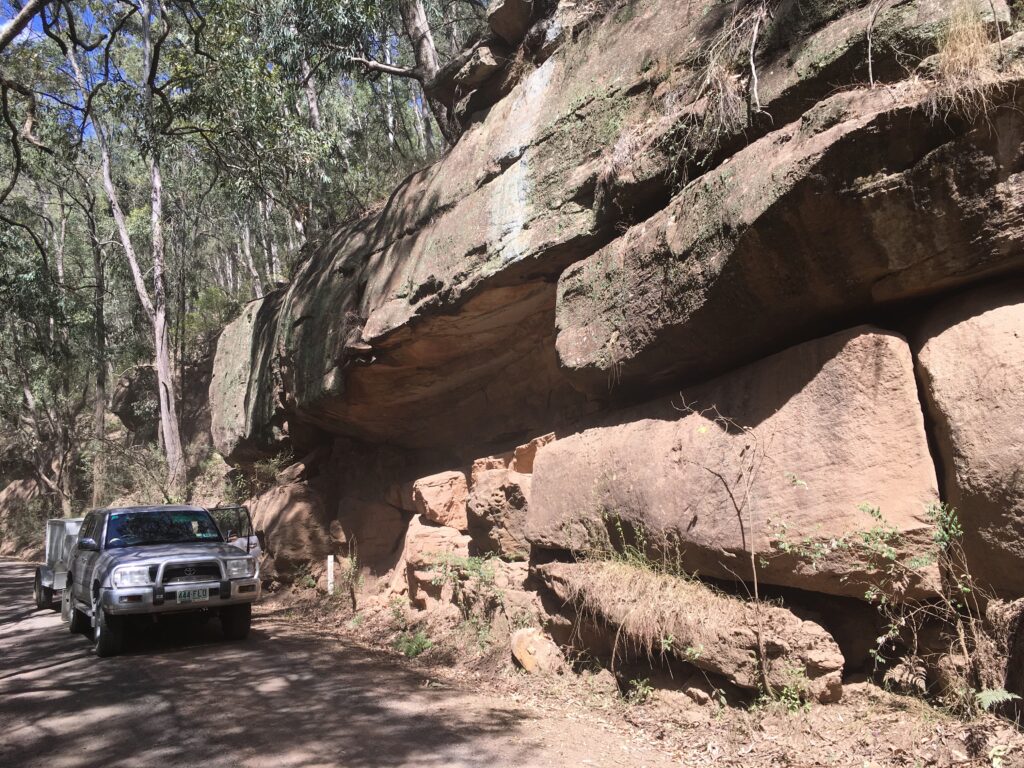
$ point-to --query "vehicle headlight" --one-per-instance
(244, 567)
(132, 576)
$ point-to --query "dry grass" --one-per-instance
(715, 100)
(657, 612)
(967, 65)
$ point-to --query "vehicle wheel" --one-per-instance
(77, 621)
(235, 620)
(43, 595)
(108, 636)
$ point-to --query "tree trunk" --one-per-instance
(99, 407)
(312, 99)
(155, 307)
(257, 282)
(269, 246)
(389, 98)
(414, 19)
(423, 118)
(161, 342)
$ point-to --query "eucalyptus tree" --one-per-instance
(165, 161)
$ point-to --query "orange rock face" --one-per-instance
(441, 498)
(971, 364)
(778, 457)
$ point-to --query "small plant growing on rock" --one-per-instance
(399, 617)
(472, 581)
(791, 696)
(958, 606)
(639, 691)
(351, 579)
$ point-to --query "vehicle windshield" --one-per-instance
(160, 526)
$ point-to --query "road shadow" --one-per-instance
(181, 695)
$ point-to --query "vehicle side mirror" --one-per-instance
(88, 545)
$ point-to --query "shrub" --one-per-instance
(412, 644)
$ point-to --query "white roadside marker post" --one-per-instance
(330, 574)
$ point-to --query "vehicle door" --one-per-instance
(84, 559)
(236, 526)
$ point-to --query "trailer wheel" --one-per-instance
(42, 594)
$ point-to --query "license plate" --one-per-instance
(193, 595)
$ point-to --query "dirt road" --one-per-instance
(278, 699)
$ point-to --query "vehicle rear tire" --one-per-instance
(108, 636)
(42, 594)
(236, 620)
(77, 621)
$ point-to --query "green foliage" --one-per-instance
(997, 755)
(250, 175)
(639, 691)
(412, 644)
(989, 698)
(883, 552)
(249, 482)
(693, 653)
(303, 577)
(472, 582)
(399, 619)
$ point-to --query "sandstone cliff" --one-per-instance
(752, 303)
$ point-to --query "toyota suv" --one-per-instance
(156, 560)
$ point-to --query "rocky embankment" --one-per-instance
(741, 287)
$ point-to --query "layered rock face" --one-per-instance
(865, 200)
(649, 300)
(971, 364)
(773, 457)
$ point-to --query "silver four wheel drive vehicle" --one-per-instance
(150, 561)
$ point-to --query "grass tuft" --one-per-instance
(661, 612)
(967, 65)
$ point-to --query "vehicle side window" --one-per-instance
(88, 525)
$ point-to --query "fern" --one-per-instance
(993, 697)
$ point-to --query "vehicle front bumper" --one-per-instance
(136, 600)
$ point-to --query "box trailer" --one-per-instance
(52, 576)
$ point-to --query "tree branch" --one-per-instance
(13, 28)
(370, 65)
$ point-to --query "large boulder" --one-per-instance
(426, 546)
(509, 19)
(524, 455)
(536, 652)
(497, 512)
(134, 402)
(441, 499)
(246, 419)
(971, 363)
(773, 463)
(716, 633)
(865, 200)
(295, 522)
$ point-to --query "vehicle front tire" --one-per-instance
(77, 621)
(236, 620)
(42, 594)
(108, 636)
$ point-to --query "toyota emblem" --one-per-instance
(190, 570)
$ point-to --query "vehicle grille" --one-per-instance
(187, 572)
